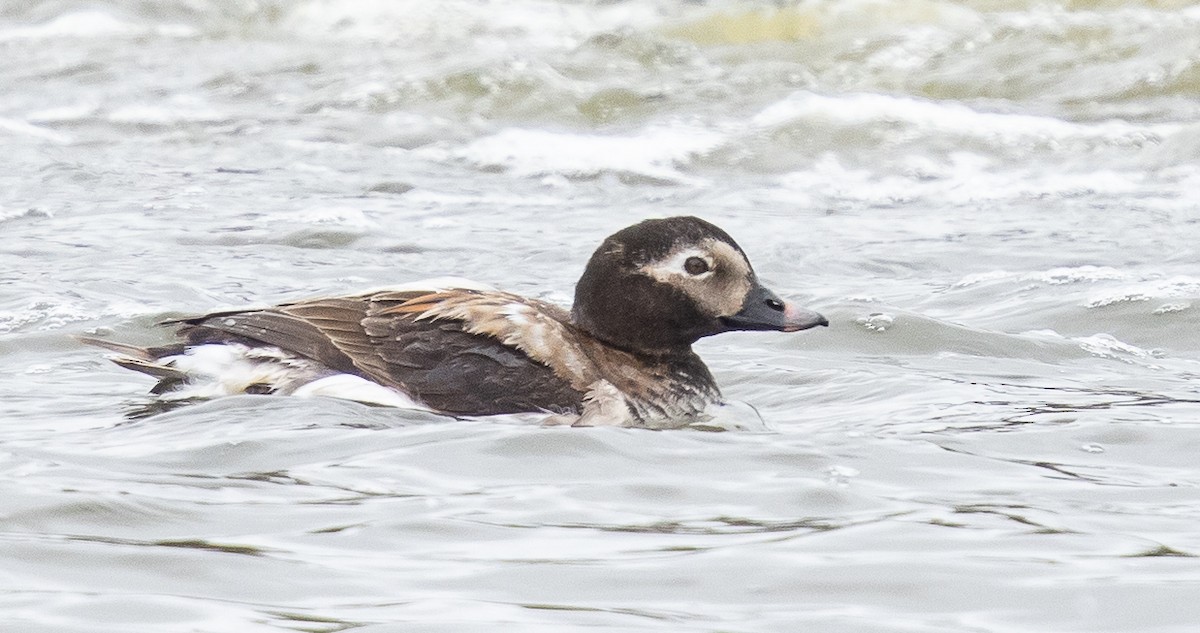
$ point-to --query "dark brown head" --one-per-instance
(660, 285)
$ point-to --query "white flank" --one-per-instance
(357, 389)
(220, 370)
(227, 369)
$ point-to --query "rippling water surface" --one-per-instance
(995, 202)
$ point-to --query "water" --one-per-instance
(994, 202)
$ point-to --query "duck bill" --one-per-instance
(764, 310)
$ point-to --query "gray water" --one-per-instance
(995, 202)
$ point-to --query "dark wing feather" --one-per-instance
(388, 337)
(340, 321)
(462, 373)
(149, 354)
(269, 327)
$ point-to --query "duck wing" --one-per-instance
(460, 351)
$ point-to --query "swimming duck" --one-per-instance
(622, 355)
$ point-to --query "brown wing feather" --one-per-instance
(540, 330)
(461, 351)
(269, 327)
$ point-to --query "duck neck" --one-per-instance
(635, 313)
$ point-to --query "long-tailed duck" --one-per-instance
(622, 355)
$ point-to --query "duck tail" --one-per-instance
(145, 360)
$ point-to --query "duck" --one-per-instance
(621, 355)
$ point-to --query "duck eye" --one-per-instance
(695, 266)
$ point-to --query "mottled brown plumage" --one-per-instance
(621, 356)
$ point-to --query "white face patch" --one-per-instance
(719, 290)
(675, 265)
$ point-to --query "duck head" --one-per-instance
(660, 285)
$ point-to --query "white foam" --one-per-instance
(12, 214)
(88, 24)
(963, 179)
(980, 278)
(733, 415)
(427, 198)
(1107, 346)
(350, 217)
(1057, 20)
(1065, 275)
(943, 117)
(76, 24)
(1059, 276)
(655, 152)
(1114, 286)
(51, 313)
(64, 113)
(1168, 308)
(876, 322)
(184, 111)
(13, 126)
(479, 25)
(1103, 345)
(1148, 290)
